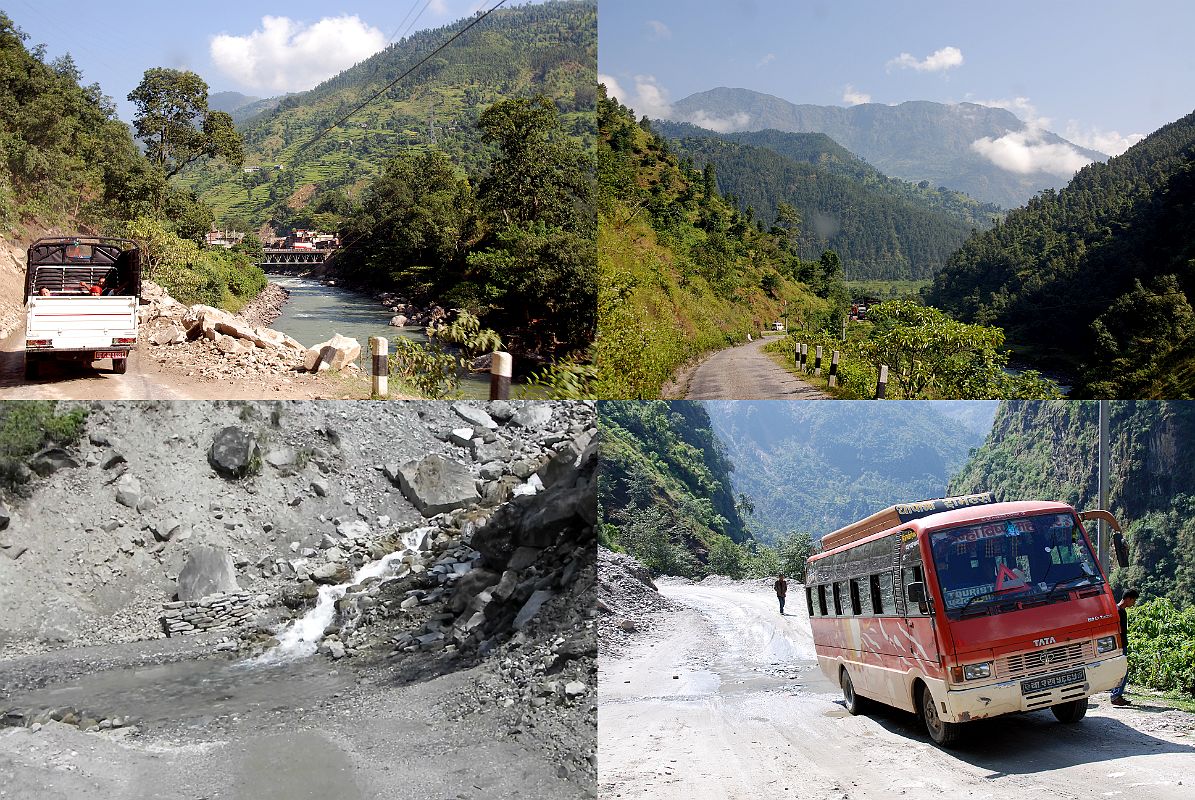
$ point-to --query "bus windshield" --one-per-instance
(1030, 558)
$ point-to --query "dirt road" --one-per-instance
(726, 701)
(746, 372)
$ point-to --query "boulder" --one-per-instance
(436, 484)
(208, 570)
(168, 334)
(531, 608)
(234, 453)
(532, 415)
(475, 416)
(335, 354)
(50, 460)
(5, 516)
(282, 459)
(331, 573)
(398, 321)
(128, 491)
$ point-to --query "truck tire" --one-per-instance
(120, 365)
(853, 702)
(1071, 711)
(30, 367)
(942, 732)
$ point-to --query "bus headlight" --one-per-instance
(973, 672)
(1105, 643)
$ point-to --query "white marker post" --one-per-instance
(500, 371)
(381, 366)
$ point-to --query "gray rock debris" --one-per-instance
(474, 416)
(128, 491)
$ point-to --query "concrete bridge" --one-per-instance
(292, 260)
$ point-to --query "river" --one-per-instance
(314, 312)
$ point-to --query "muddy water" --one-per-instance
(191, 694)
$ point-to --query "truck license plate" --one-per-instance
(99, 354)
(1054, 681)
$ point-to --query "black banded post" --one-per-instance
(500, 371)
(804, 358)
(882, 384)
(817, 362)
(834, 369)
(381, 366)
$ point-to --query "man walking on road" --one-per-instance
(1127, 601)
(781, 587)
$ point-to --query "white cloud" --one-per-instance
(853, 97)
(1110, 142)
(768, 59)
(650, 99)
(1027, 151)
(936, 61)
(659, 30)
(284, 55)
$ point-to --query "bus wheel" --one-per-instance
(1071, 711)
(854, 703)
(942, 732)
(120, 365)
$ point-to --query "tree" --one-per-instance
(174, 122)
(745, 505)
(793, 552)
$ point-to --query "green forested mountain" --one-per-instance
(548, 49)
(1047, 450)
(681, 270)
(240, 106)
(917, 140)
(876, 234)
(664, 487)
(814, 467)
(830, 157)
(1096, 277)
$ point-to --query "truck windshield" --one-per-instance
(1029, 558)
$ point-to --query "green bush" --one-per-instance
(1162, 646)
(27, 426)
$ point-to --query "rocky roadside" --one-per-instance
(488, 516)
(628, 602)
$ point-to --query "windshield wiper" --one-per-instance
(1058, 584)
(972, 599)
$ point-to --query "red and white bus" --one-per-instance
(964, 608)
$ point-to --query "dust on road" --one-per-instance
(746, 372)
(725, 700)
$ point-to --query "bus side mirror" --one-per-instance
(915, 592)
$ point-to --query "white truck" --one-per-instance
(81, 297)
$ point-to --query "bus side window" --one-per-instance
(837, 599)
(821, 601)
(856, 605)
(913, 575)
(809, 600)
(877, 600)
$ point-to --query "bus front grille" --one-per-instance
(1038, 662)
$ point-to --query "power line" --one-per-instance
(395, 82)
(404, 19)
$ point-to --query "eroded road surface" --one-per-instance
(724, 700)
(746, 372)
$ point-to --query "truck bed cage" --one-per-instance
(60, 264)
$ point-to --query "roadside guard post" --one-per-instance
(834, 369)
(804, 358)
(500, 370)
(381, 366)
(882, 385)
(817, 362)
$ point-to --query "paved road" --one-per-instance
(728, 702)
(746, 372)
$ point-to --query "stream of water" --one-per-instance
(315, 312)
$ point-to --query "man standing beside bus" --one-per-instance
(1127, 601)
(781, 587)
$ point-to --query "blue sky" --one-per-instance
(113, 43)
(1099, 73)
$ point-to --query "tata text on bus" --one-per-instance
(962, 608)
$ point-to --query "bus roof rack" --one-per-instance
(892, 516)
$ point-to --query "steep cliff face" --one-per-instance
(1049, 450)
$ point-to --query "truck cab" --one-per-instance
(81, 297)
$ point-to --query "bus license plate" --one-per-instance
(101, 354)
(1054, 681)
